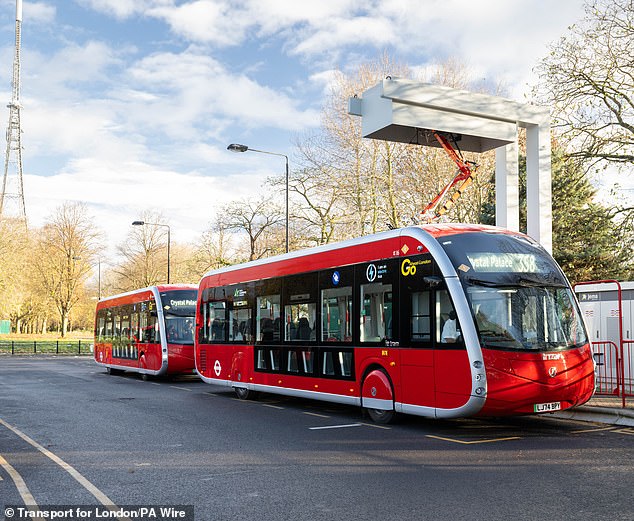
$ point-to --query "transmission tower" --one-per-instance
(13, 158)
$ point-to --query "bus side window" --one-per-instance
(420, 320)
(216, 321)
(148, 323)
(268, 318)
(336, 313)
(376, 312)
(155, 337)
(108, 327)
(143, 326)
(447, 325)
(101, 326)
(300, 321)
(240, 305)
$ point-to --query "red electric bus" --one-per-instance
(437, 320)
(148, 331)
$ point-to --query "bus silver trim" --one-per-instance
(377, 403)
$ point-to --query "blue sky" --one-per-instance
(129, 104)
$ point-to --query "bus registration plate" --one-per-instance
(547, 407)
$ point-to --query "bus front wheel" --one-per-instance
(381, 416)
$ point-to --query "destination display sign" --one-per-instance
(504, 262)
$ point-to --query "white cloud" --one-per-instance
(230, 22)
(119, 191)
(63, 74)
(501, 39)
(336, 33)
(38, 13)
(189, 89)
(215, 22)
(326, 80)
(121, 8)
(87, 100)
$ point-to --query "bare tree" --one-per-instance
(588, 78)
(212, 251)
(145, 255)
(259, 222)
(14, 272)
(376, 184)
(317, 213)
(65, 249)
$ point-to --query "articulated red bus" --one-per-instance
(148, 331)
(437, 320)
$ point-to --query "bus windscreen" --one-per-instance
(518, 295)
(179, 309)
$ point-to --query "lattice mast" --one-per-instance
(13, 156)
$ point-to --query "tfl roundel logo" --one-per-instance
(370, 273)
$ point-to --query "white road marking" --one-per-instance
(335, 426)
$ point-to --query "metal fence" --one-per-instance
(57, 347)
(615, 368)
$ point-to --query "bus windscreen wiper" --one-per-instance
(486, 283)
(532, 282)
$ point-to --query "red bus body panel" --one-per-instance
(518, 381)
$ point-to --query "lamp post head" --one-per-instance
(138, 223)
(235, 147)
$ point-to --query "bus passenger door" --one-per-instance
(452, 373)
(416, 353)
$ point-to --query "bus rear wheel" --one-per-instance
(377, 396)
(245, 394)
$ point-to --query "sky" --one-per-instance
(129, 105)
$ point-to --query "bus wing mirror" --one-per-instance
(432, 280)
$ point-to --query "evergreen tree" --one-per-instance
(587, 242)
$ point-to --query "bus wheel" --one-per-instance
(377, 396)
(380, 416)
(112, 372)
(145, 377)
(245, 394)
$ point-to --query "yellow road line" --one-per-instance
(462, 442)
(593, 430)
(101, 497)
(24, 491)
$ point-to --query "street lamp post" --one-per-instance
(99, 279)
(235, 147)
(143, 223)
